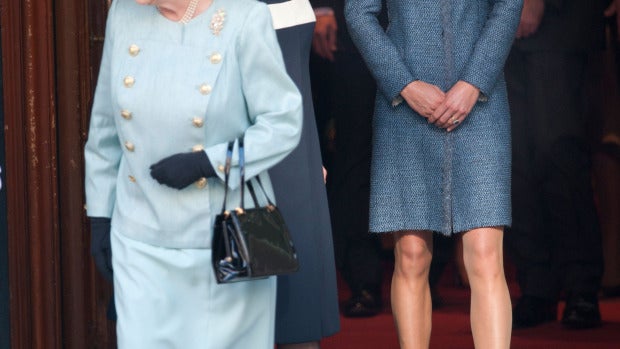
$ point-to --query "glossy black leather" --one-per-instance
(252, 243)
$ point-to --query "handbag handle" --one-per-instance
(227, 167)
(249, 184)
(260, 184)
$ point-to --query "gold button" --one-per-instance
(129, 81)
(126, 114)
(198, 122)
(216, 58)
(132, 179)
(201, 183)
(134, 50)
(198, 147)
(205, 89)
(221, 168)
(129, 146)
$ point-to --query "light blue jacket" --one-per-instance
(166, 88)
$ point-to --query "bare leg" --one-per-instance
(491, 311)
(411, 297)
(305, 345)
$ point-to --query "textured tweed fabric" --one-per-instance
(424, 178)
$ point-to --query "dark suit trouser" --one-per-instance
(555, 239)
(352, 104)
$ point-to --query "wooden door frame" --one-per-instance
(5, 336)
(56, 300)
(30, 139)
(79, 44)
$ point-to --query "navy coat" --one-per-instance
(307, 301)
(422, 177)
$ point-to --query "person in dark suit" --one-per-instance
(555, 237)
(351, 91)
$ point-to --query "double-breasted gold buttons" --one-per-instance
(128, 81)
(205, 89)
(221, 168)
(130, 146)
(134, 50)
(198, 147)
(201, 183)
(198, 122)
(126, 114)
(132, 179)
(215, 58)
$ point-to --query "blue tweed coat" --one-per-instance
(423, 177)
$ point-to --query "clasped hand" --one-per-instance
(444, 109)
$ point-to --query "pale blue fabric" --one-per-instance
(168, 299)
(251, 95)
(166, 294)
(422, 177)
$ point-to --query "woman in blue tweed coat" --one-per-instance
(441, 151)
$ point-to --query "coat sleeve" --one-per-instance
(272, 99)
(381, 55)
(102, 152)
(489, 55)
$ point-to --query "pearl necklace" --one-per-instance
(189, 12)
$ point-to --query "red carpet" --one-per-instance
(451, 325)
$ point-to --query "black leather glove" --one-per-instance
(100, 247)
(180, 170)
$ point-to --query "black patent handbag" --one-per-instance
(250, 243)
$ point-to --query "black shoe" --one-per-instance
(581, 313)
(362, 304)
(532, 311)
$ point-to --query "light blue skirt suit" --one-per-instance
(422, 177)
(165, 88)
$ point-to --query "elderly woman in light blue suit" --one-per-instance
(178, 81)
(441, 151)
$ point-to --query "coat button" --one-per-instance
(198, 147)
(201, 183)
(216, 58)
(130, 146)
(129, 81)
(132, 179)
(205, 89)
(221, 168)
(134, 50)
(198, 122)
(126, 114)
